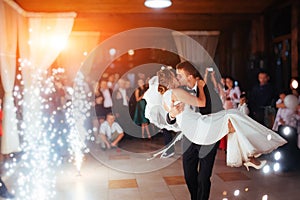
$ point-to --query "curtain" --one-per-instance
(8, 49)
(187, 43)
(41, 37)
(46, 38)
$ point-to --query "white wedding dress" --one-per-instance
(250, 138)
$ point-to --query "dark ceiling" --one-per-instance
(111, 16)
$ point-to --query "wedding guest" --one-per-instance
(139, 115)
(111, 132)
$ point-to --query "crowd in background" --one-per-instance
(121, 96)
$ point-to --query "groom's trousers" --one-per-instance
(198, 164)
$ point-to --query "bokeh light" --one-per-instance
(277, 155)
(276, 167)
(236, 193)
(266, 169)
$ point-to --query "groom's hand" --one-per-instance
(200, 83)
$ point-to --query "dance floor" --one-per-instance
(120, 174)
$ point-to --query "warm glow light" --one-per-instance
(294, 84)
(85, 53)
(130, 52)
(158, 3)
(58, 42)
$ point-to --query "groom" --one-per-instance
(197, 178)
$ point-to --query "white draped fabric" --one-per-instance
(40, 37)
(8, 49)
(189, 50)
(46, 38)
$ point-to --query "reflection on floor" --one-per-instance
(100, 181)
(232, 176)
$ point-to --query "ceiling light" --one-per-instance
(158, 3)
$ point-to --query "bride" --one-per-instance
(246, 137)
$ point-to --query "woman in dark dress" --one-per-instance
(139, 114)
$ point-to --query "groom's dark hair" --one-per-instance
(189, 68)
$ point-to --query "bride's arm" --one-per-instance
(185, 97)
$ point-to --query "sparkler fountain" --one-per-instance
(49, 134)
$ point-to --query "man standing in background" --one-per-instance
(262, 95)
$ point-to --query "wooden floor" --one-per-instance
(121, 174)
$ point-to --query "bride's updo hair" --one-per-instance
(166, 79)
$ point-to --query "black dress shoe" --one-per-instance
(7, 195)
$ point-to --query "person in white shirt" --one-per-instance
(122, 93)
(107, 97)
(243, 107)
(111, 132)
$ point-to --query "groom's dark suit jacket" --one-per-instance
(213, 101)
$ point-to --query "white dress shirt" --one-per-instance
(107, 130)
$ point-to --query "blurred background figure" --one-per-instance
(261, 97)
(232, 97)
(107, 98)
(218, 86)
(243, 107)
(99, 104)
(232, 93)
(121, 106)
(1, 115)
(284, 115)
(139, 114)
